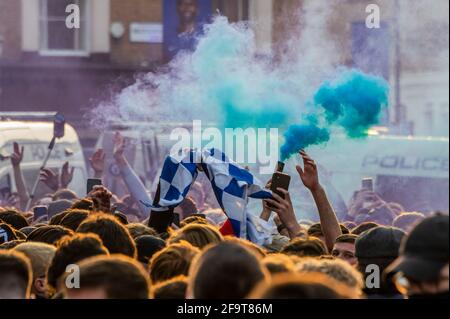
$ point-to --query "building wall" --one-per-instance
(10, 28)
(123, 51)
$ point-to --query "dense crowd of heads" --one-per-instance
(88, 248)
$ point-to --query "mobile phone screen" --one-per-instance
(367, 184)
(91, 182)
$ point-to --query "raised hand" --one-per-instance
(49, 178)
(119, 148)
(309, 174)
(9, 200)
(17, 155)
(285, 210)
(97, 161)
(101, 197)
(66, 175)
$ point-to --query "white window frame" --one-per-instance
(43, 25)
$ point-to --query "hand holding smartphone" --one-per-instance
(367, 185)
(91, 183)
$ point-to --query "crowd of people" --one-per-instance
(102, 246)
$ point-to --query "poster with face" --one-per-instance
(183, 23)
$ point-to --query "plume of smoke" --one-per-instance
(225, 82)
(353, 101)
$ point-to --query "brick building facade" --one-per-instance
(36, 76)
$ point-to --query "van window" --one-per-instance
(5, 183)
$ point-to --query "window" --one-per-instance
(56, 38)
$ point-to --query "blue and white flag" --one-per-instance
(232, 185)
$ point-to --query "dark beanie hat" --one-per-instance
(379, 242)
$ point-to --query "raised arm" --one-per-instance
(285, 211)
(134, 184)
(97, 162)
(328, 220)
(16, 159)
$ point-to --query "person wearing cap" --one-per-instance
(375, 250)
(422, 269)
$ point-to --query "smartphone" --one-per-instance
(279, 180)
(367, 184)
(58, 125)
(40, 211)
(91, 182)
(280, 167)
(160, 221)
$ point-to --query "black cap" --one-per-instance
(379, 242)
(425, 251)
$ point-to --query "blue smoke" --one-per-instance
(353, 101)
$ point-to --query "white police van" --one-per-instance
(34, 131)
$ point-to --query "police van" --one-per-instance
(34, 131)
(412, 171)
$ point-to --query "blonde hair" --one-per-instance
(40, 255)
(337, 269)
(172, 261)
(313, 285)
(197, 235)
(278, 263)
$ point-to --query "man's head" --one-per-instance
(147, 246)
(49, 234)
(278, 263)
(66, 194)
(424, 258)
(197, 235)
(74, 218)
(361, 228)
(71, 250)
(344, 248)
(110, 277)
(407, 221)
(378, 247)
(302, 286)
(172, 261)
(174, 288)
(337, 269)
(41, 256)
(305, 247)
(113, 234)
(187, 11)
(58, 206)
(15, 275)
(225, 271)
(14, 219)
(137, 230)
